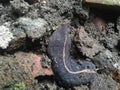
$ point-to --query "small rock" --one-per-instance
(110, 40)
(103, 82)
(108, 54)
(33, 62)
(19, 39)
(11, 39)
(87, 45)
(104, 60)
(5, 37)
(12, 71)
(34, 28)
(19, 6)
(117, 65)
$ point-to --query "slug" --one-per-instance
(68, 73)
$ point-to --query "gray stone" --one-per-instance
(5, 37)
(108, 54)
(11, 39)
(103, 82)
(34, 28)
(86, 44)
(19, 39)
(13, 71)
(117, 65)
(19, 6)
(104, 60)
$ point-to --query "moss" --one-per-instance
(19, 86)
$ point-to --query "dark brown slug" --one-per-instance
(67, 72)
